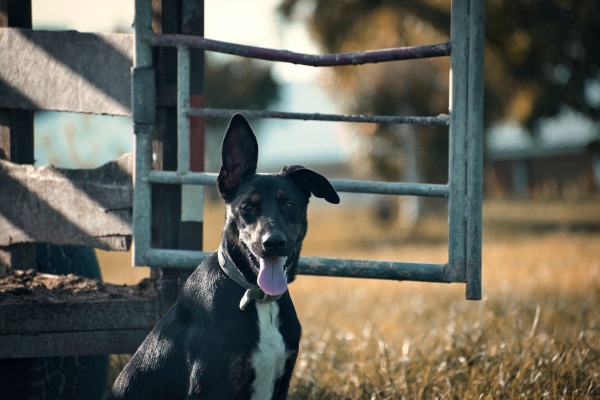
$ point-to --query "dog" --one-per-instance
(233, 332)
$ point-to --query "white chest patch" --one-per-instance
(268, 359)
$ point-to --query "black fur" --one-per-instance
(201, 348)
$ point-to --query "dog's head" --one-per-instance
(266, 213)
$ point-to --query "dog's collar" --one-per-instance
(253, 292)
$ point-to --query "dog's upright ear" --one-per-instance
(309, 181)
(239, 156)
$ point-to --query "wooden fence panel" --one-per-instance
(67, 207)
(66, 71)
(76, 327)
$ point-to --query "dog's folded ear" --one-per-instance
(310, 181)
(239, 156)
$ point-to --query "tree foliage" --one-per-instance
(235, 83)
(540, 54)
(416, 87)
(239, 83)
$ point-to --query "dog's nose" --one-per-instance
(274, 241)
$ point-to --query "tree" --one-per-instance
(238, 83)
(539, 55)
(390, 152)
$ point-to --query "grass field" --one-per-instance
(535, 334)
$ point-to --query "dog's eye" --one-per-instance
(289, 205)
(248, 208)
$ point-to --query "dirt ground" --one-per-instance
(33, 287)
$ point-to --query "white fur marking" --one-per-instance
(268, 359)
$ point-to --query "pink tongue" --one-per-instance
(270, 277)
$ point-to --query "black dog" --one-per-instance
(233, 332)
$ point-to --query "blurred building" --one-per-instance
(561, 158)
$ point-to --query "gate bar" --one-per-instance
(341, 185)
(143, 100)
(324, 60)
(183, 101)
(475, 149)
(442, 119)
(320, 266)
(466, 151)
(457, 171)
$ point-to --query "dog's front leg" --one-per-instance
(281, 388)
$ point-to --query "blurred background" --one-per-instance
(542, 97)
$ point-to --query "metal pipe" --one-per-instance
(183, 104)
(143, 100)
(341, 185)
(442, 119)
(475, 149)
(325, 60)
(457, 170)
(401, 271)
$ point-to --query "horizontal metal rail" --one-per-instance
(341, 185)
(347, 268)
(373, 269)
(319, 60)
(442, 119)
(397, 188)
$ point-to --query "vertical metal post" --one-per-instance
(457, 170)
(475, 148)
(144, 117)
(183, 101)
(192, 196)
(466, 144)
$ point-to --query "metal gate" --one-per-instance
(463, 190)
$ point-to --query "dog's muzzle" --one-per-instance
(253, 292)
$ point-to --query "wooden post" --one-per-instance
(16, 135)
(166, 199)
(193, 195)
(169, 231)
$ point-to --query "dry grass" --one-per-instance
(535, 334)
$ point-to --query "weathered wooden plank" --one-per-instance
(71, 343)
(66, 71)
(78, 316)
(60, 206)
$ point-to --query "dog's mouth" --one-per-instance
(271, 275)
(272, 272)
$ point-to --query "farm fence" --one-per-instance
(464, 120)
